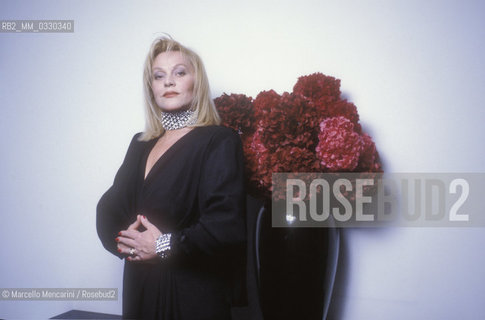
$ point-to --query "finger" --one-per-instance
(126, 241)
(123, 248)
(131, 252)
(135, 225)
(151, 228)
(134, 258)
(132, 234)
(148, 225)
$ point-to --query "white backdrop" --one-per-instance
(71, 102)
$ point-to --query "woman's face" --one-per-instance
(172, 81)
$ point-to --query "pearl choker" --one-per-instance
(178, 119)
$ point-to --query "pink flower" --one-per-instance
(345, 109)
(339, 146)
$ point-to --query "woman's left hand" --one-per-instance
(139, 246)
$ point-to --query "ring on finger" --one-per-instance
(132, 251)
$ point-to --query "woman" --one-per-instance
(176, 208)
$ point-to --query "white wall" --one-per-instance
(71, 102)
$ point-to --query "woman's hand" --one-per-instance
(139, 246)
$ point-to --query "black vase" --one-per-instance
(295, 277)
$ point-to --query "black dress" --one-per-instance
(196, 192)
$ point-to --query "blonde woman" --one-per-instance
(175, 211)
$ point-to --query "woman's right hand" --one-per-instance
(122, 248)
(139, 246)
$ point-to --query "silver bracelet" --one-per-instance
(163, 245)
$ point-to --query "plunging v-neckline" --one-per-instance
(146, 175)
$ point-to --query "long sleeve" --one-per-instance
(113, 209)
(221, 225)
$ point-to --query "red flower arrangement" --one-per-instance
(311, 129)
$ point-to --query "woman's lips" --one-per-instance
(170, 94)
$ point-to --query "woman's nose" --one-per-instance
(169, 81)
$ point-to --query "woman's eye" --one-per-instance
(180, 73)
(157, 76)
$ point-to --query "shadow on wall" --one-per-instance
(338, 302)
(340, 295)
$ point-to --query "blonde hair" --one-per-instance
(202, 102)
